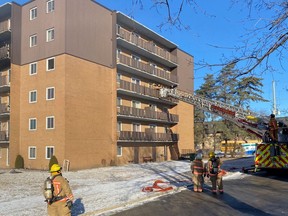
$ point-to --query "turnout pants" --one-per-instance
(198, 182)
(216, 181)
(58, 208)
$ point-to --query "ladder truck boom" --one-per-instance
(249, 121)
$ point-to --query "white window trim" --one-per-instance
(30, 13)
(48, 117)
(30, 68)
(47, 34)
(47, 60)
(135, 80)
(30, 96)
(138, 104)
(29, 156)
(135, 123)
(30, 40)
(53, 93)
(47, 6)
(46, 151)
(30, 119)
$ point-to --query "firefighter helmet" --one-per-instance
(55, 168)
(211, 154)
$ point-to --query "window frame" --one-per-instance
(47, 64)
(48, 122)
(48, 9)
(33, 13)
(47, 93)
(30, 124)
(48, 152)
(30, 96)
(30, 156)
(119, 151)
(31, 43)
(31, 68)
(52, 31)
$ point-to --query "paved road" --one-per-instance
(257, 194)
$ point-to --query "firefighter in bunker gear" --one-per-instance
(198, 170)
(213, 170)
(62, 199)
(273, 128)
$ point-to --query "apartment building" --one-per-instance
(85, 87)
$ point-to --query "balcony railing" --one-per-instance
(5, 26)
(142, 90)
(150, 46)
(129, 136)
(146, 68)
(4, 136)
(4, 52)
(147, 113)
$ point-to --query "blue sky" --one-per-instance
(212, 23)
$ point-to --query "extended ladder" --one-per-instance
(247, 120)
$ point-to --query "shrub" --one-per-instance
(53, 160)
(19, 162)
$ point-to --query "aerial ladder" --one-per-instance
(267, 154)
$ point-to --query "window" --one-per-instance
(50, 64)
(50, 93)
(33, 40)
(118, 77)
(49, 152)
(119, 101)
(50, 122)
(119, 126)
(33, 96)
(50, 35)
(136, 104)
(136, 61)
(50, 6)
(119, 150)
(33, 68)
(32, 152)
(136, 127)
(118, 53)
(33, 13)
(135, 81)
(32, 124)
(153, 128)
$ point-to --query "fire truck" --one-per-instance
(268, 155)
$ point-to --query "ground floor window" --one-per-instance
(32, 152)
(49, 152)
(119, 150)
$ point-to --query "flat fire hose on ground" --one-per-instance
(157, 188)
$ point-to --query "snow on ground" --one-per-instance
(102, 191)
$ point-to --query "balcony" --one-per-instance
(136, 90)
(4, 56)
(5, 31)
(148, 49)
(4, 110)
(132, 136)
(4, 84)
(145, 70)
(147, 114)
(4, 136)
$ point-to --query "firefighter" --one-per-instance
(198, 170)
(273, 128)
(62, 199)
(213, 171)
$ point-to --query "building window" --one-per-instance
(33, 68)
(119, 101)
(33, 40)
(50, 93)
(136, 127)
(33, 13)
(50, 6)
(135, 81)
(119, 150)
(32, 152)
(136, 104)
(50, 122)
(49, 152)
(118, 77)
(33, 96)
(119, 126)
(32, 124)
(50, 35)
(50, 64)
(118, 54)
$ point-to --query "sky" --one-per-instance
(106, 190)
(211, 24)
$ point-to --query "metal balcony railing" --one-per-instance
(146, 68)
(147, 113)
(142, 90)
(147, 45)
(5, 26)
(130, 136)
(4, 136)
